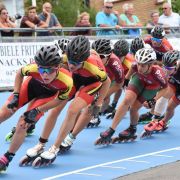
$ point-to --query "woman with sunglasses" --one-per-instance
(170, 67)
(90, 79)
(145, 82)
(46, 86)
(158, 42)
(6, 23)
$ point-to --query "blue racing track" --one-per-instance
(86, 161)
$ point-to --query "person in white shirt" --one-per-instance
(169, 18)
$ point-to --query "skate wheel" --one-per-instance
(98, 141)
(146, 134)
(115, 139)
(37, 162)
(25, 160)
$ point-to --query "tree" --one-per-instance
(176, 6)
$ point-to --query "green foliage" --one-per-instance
(176, 6)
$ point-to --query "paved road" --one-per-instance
(169, 171)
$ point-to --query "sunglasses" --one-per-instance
(74, 63)
(169, 68)
(156, 40)
(43, 70)
(109, 7)
(5, 13)
(102, 56)
(164, 8)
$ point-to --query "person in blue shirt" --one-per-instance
(108, 18)
(49, 18)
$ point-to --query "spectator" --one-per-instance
(130, 20)
(49, 18)
(31, 21)
(108, 18)
(83, 21)
(169, 18)
(6, 23)
(154, 21)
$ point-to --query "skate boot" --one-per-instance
(46, 158)
(111, 115)
(66, 144)
(9, 136)
(31, 155)
(94, 122)
(30, 130)
(162, 126)
(4, 162)
(105, 137)
(127, 135)
(149, 129)
(145, 118)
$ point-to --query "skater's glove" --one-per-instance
(150, 103)
(126, 82)
(30, 116)
(95, 110)
(14, 102)
(111, 115)
(109, 109)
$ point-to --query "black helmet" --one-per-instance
(158, 32)
(78, 50)
(136, 44)
(62, 44)
(170, 58)
(121, 48)
(48, 56)
(102, 46)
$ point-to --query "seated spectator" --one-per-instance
(31, 21)
(107, 18)
(83, 21)
(169, 18)
(154, 21)
(130, 20)
(49, 18)
(6, 23)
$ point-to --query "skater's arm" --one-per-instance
(18, 81)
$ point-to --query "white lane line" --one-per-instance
(114, 167)
(139, 161)
(108, 163)
(161, 155)
(87, 174)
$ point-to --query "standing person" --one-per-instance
(47, 86)
(6, 23)
(154, 15)
(49, 18)
(90, 79)
(128, 19)
(145, 82)
(108, 18)
(31, 21)
(169, 18)
(83, 21)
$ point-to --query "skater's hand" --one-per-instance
(30, 116)
(14, 102)
(149, 103)
(95, 110)
(126, 82)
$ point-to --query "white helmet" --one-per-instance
(145, 56)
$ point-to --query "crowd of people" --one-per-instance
(87, 76)
(108, 17)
